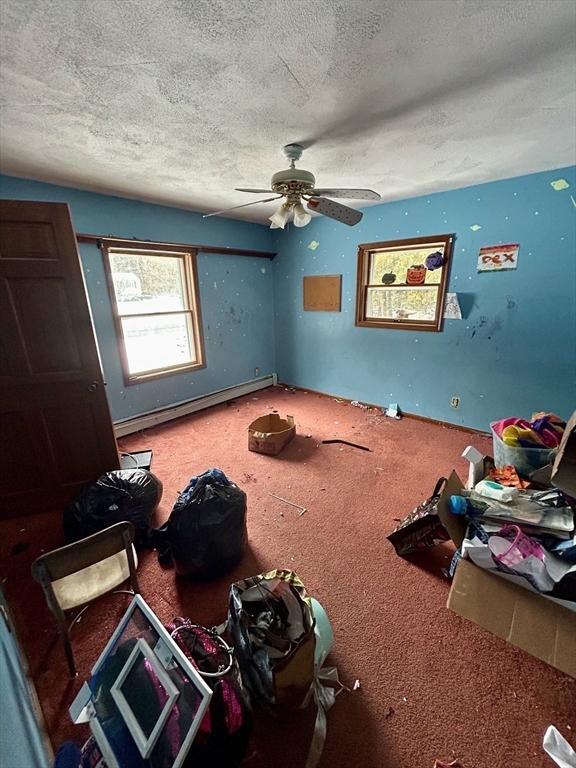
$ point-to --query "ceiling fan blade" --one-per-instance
(333, 210)
(259, 191)
(351, 194)
(234, 207)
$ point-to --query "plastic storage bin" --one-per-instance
(526, 460)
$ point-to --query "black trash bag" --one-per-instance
(206, 533)
(123, 494)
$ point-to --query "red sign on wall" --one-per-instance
(494, 258)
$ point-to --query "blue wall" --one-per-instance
(513, 353)
(236, 292)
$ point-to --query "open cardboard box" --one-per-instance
(269, 434)
(528, 620)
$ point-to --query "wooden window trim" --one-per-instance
(193, 312)
(364, 252)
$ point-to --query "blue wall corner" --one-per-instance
(512, 354)
(236, 292)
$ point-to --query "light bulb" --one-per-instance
(301, 218)
(280, 218)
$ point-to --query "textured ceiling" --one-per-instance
(179, 101)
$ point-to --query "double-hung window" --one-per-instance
(154, 296)
(402, 283)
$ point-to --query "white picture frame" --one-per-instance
(144, 743)
(83, 698)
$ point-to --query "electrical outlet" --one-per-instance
(256, 371)
(454, 402)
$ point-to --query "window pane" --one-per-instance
(145, 283)
(157, 342)
(401, 303)
(391, 267)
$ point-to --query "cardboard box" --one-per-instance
(526, 619)
(564, 469)
(270, 434)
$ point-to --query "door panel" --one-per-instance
(37, 241)
(56, 428)
(13, 361)
(47, 333)
(22, 454)
(74, 434)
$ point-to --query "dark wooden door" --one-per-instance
(55, 427)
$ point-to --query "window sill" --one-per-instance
(142, 378)
(401, 325)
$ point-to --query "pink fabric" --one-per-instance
(521, 432)
(233, 713)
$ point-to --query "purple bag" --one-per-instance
(222, 738)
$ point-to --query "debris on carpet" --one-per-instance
(556, 746)
(358, 404)
(299, 507)
(346, 442)
(393, 412)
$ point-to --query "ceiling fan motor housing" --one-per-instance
(293, 181)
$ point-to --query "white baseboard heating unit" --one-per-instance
(159, 416)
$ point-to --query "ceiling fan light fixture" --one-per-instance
(295, 185)
(280, 217)
(301, 217)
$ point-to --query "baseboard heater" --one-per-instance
(160, 415)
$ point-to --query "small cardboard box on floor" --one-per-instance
(528, 620)
(269, 434)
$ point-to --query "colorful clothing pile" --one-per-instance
(545, 430)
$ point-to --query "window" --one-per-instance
(402, 283)
(157, 312)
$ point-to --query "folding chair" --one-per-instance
(80, 572)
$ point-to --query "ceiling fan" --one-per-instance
(296, 185)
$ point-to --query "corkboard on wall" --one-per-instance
(322, 293)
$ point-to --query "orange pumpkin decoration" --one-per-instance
(416, 274)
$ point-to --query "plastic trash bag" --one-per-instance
(555, 745)
(123, 494)
(206, 533)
